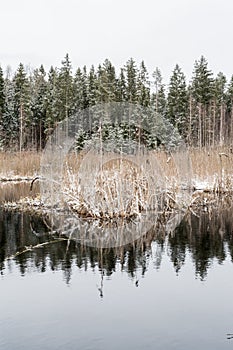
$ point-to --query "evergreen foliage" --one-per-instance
(32, 103)
(202, 82)
(177, 100)
(158, 97)
(22, 107)
(2, 107)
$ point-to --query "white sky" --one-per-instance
(160, 32)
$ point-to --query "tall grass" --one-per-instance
(16, 164)
(205, 162)
(212, 166)
(116, 188)
(210, 162)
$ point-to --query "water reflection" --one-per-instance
(15, 190)
(206, 236)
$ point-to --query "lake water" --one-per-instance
(164, 292)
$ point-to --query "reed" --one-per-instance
(208, 162)
(117, 188)
(121, 189)
(213, 167)
(24, 164)
(205, 162)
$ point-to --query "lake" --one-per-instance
(166, 291)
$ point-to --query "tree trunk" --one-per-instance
(200, 125)
(21, 129)
(221, 136)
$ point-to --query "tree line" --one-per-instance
(33, 102)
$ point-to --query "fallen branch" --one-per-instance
(36, 178)
(31, 247)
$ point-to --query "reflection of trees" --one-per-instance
(206, 237)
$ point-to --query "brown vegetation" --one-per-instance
(211, 172)
(24, 164)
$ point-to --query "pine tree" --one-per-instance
(177, 101)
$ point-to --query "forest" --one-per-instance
(33, 101)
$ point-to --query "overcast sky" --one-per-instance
(160, 32)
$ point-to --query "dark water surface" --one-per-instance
(164, 292)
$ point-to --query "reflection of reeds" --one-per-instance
(15, 191)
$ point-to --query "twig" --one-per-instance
(36, 178)
(31, 247)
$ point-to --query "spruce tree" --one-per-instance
(9, 122)
(143, 86)
(202, 94)
(229, 95)
(2, 107)
(92, 87)
(22, 110)
(2, 95)
(177, 101)
(230, 108)
(39, 105)
(107, 83)
(220, 107)
(220, 88)
(158, 98)
(121, 87)
(64, 90)
(131, 73)
(78, 90)
(202, 82)
(51, 101)
(85, 87)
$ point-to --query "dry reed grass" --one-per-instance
(205, 162)
(24, 164)
(210, 162)
(211, 166)
(119, 189)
